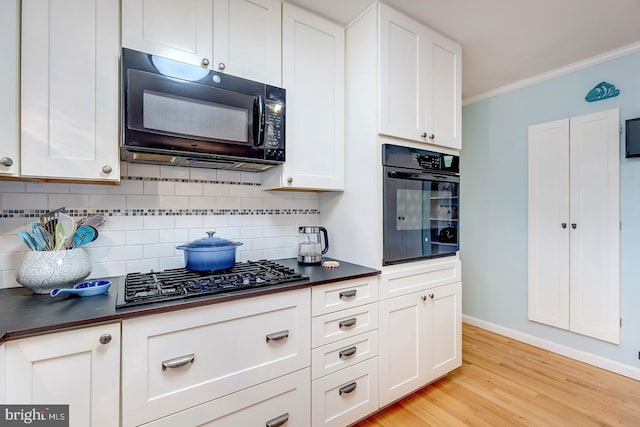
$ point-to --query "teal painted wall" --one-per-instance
(494, 202)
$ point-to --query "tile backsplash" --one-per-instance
(156, 208)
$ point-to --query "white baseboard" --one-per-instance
(572, 353)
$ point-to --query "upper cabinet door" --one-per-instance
(313, 75)
(404, 72)
(9, 85)
(69, 73)
(419, 82)
(247, 39)
(444, 121)
(239, 37)
(175, 29)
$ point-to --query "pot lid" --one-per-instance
(209, 242)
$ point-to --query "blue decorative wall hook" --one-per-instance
(602, 90)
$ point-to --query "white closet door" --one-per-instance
(548, 211)
(595, 211)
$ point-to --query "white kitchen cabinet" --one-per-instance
(313, 75)
(344, 357)
(346, 396)
(284, 401)
(175, 361)
(238, 37)
(79, 368)
(574, 224)
(69, 89)
(419, 82)
(420, 339)
(9, 87)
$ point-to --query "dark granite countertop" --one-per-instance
(24, 314)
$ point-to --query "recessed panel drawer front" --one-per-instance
(346, 396)
(284, 401)
(333, 327)
(342, 354)
(181, 359)
(408, 280)
(330, 298)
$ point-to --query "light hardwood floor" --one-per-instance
(503, 382)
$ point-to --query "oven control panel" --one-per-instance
(414, 158)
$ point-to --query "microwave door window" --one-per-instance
(182, 116)
(177, 109)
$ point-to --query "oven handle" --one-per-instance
(422, 176)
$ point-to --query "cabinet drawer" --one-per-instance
(342, 354)
(176, 360)
(406, 280)
(285, 398)
(329, 298)
(333, 327)
(345, 396)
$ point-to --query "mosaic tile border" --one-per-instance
(35, 213)
(200, 181)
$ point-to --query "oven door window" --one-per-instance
(420, 217)
(180, 109)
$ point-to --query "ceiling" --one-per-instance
(505, 41)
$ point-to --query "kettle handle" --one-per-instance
(326, 240)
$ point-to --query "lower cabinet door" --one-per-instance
(346, 396)
(403, 348)
(444, 323)
(79, 368)
(280, 402)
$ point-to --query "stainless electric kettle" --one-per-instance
(310, 248)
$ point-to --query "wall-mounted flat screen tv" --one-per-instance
(633, 137)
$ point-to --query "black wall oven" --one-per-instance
(421, 205)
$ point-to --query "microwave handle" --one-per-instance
(258, 120)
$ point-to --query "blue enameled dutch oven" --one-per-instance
(209, 253)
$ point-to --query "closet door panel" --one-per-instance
(595, 212)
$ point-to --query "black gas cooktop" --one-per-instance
(179, 283)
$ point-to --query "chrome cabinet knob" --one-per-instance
(107, 169)
(423, 297)
(6, 161)
(432, 296)
(426, 135)
(105, 338)
(221, 66)
(289, 180)
(204, 63)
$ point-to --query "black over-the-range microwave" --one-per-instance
(184, 115)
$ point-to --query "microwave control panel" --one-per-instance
(274, 135)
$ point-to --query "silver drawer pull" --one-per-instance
(348, 352)
(178, 362)
(348, 294)
(278, 421)
(277, 336)
(348, 388)
(347, 323)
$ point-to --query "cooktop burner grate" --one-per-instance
(179, 283)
